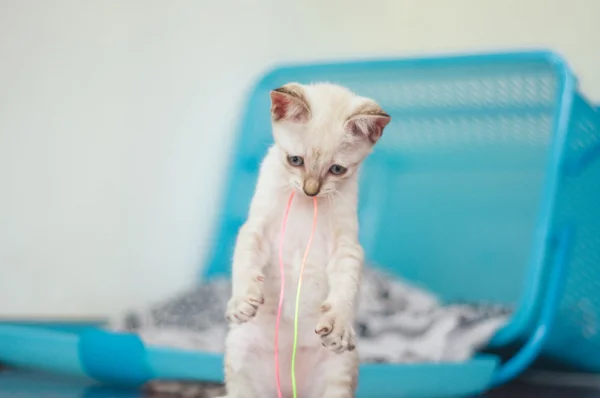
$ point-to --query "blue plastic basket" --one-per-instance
(484, 188)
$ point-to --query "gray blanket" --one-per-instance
(396, 322)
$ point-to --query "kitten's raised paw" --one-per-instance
(336, 332)
(240, 310)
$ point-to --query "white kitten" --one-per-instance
(322, 134)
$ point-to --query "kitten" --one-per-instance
(322, 134)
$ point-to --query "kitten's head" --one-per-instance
(323, 132)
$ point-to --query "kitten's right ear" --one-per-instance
(369, 121)
(289, 103)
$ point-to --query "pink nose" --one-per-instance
(311, 187)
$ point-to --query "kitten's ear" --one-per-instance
(289, 103)
(368, 121)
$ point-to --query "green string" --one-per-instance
(296, 312)
(295, 347)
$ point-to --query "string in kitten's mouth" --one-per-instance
(297, 186)
(325, 193)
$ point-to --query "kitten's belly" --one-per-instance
(314, 287)
(259, 335)
(313, 291)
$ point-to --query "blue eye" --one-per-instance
(295, 161)
(337, 170)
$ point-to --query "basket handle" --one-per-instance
(528, 353)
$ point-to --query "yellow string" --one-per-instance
(295, 346)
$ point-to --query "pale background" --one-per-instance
(116, 118)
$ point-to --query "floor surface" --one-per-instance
(15, 384)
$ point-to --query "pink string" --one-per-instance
(281, 294)
(297, 311)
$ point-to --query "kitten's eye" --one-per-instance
(337, 170)
(295, 161)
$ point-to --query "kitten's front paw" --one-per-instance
(335, 330)
(242, 309)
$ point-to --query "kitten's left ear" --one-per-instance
(289, 103)
(369, 121)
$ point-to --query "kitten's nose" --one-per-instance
(311, 187)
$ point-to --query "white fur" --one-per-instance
(327, 365)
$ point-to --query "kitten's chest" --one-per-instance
(295, 240)
(298, 230)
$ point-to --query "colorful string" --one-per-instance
(310, 239)
(282, 291)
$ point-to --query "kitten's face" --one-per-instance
(323, 132)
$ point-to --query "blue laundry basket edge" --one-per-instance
(525, 317)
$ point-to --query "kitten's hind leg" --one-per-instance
(240, 384)
(248, 367)
(336, 375)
